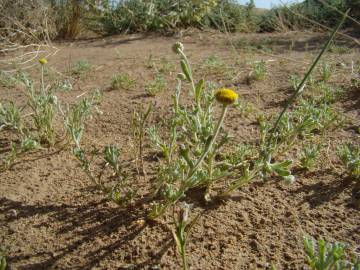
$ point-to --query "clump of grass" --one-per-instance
(258, 72)
(122, 81)
(349, 156)
(80, 67)
(156, 86)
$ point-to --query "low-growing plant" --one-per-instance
(349, 155)
(214, 64)
(122, 81)
(245, 108)
(138, 132)
(322, 255)
(190, 154)
(258, 71)
(10, 117)
(7, 80)
(325, 72)
(76, 116)
(309, 155)
(294, 81)
(340, 49)
(44, 107)
(162, 65)
(272, 137)
(156, 86)
(64, 85)
(16, 149)
(120, 190)
(328, 256)
(43, 104)
(80, 67)
(326, 93)
(304, 121)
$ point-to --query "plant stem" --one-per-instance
(42, 80)
(209, 145)
(197, 99)
(183, 257)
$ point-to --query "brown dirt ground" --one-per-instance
(52, 218)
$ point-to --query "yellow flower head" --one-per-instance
(226, 96)
(43, 61)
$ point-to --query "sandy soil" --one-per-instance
(52, 217)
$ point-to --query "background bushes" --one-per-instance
(67, 19)
(287, 17)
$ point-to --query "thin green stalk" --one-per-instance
(189, 69)
(172, 143)
(42, 80)
(183, 257)
(191, 80)
(244, 179)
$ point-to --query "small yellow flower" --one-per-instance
(226, 96)
(42, 61)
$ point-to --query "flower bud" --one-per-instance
(181, 76)
(178, 47)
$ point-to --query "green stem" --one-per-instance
(209, 145)
(183, 257)
(240, 182)
(197, 99)
(42, 80)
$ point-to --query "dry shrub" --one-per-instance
(69, 15)
(26, 21)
